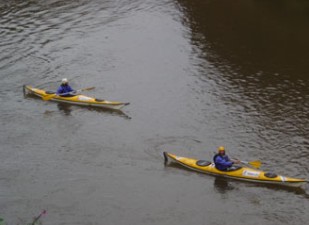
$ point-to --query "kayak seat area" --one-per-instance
(99, 100)
(233, 168)
(50, 92)
(203, 163)
(270, 175)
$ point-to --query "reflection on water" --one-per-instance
(302, 191)
(65, 108)
(256, 55)
(222, 185)
(120, 113)
(68, 108)
(252, 36)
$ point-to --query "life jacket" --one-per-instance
(221, 166)
(63, 89)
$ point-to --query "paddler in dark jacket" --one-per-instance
(222, 161)
(65, 89)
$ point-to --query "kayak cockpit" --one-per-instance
(50, 92)
(203, 163)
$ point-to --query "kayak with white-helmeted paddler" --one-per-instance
(75, 98)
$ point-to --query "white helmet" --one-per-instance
(64, 81)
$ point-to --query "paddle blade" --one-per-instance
(88, 89)
(256, 164)
(48, 97)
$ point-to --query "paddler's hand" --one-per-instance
(235, 161)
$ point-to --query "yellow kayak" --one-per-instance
(77, 99)
(242, 173)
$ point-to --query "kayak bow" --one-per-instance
(242, 173)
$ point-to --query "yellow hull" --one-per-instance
(244, 173)
(76, 99)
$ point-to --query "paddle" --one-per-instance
(255, 164)
(48, 97)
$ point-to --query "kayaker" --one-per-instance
(65, 89)
(223, 162)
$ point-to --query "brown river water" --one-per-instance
(198, 74)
